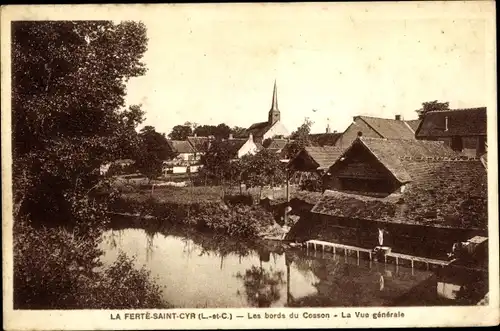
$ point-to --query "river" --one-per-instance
(198, 271)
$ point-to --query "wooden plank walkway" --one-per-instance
(335, 246)
(396, 256)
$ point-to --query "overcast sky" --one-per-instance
(213, 64)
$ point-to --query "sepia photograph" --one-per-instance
(290, 161)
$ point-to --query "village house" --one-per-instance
(416, 191)
(376, 127)
(272, 127)
(311, 163)
(200, 145)
(463, 130)
(186, 158)
(239, 147)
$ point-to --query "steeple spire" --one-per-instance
(274, 113)
(275, 97)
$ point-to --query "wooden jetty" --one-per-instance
(396, 257)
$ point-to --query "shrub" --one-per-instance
(58, 269)
(311, 184)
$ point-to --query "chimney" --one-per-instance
(250, 137)
(398, 118)
(328, 128)
(230, 136)
(446, 123)
(195, 135)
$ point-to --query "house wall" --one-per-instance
(471, 145)
(351, 133)
(359, 172)
(278, 129)
(248, 148)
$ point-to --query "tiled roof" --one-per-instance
(413, 124)
(323, 157)
(277, 145)
(259, 129)
(461, 122)
(233, 145)
(389, 128)
(441, 193)
(181, 146)
(324, 139)
(389, 152)
(200, 144)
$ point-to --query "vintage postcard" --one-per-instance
(263, 165)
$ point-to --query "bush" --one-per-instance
(312, 185)
(58, 269)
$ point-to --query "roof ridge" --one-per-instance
(456, 109)
(440, 158)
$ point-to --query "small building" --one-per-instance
(313, 159)
(272, 127)
(464, 130)
(424, 194)
(375, 127)
(200, 145)
(185, 159)
(311, 163)
(238, 147)
(276, 145)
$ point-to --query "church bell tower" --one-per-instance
(274, 113)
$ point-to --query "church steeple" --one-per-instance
(274, 113)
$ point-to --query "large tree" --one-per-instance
(180, 132)
(261, 169)
(68, 117)
(432, 106)
(154, 150)
(300, 138)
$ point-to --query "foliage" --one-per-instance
(180, 132)
(154, 150)
(432, 106)
(300, 138)
(58, 269)
(68, 88)
(238, 132)
(261, 169)
(238, 220)
(311, 184)
(217, 162)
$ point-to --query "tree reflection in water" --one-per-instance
(262, 287)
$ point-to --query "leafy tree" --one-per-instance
(238, 132)
(300, 138)
(154, 150)
(222, 131)
(432, 106)
(205, 130)
(217, 163)
(68, 118)
(68, 89)
(180, 132)
(261, 169)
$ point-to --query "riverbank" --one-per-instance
(208, 209)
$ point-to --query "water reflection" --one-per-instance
(262, 287)
(213, 271)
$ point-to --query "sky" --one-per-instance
(217, 64)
